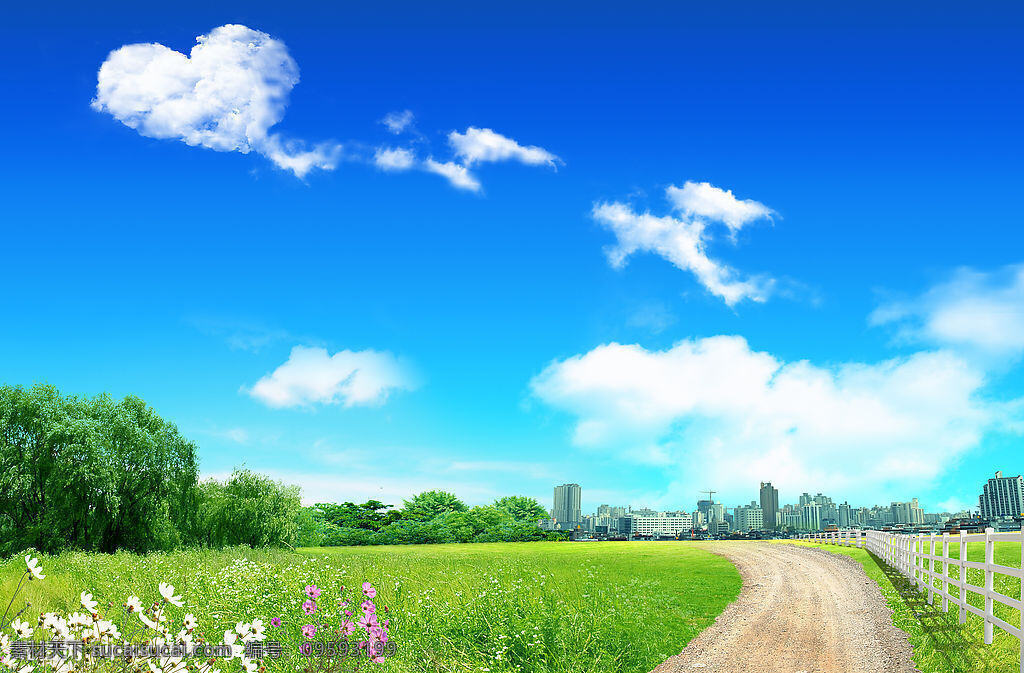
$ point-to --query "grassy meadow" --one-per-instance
(941, 644)
(558, 607)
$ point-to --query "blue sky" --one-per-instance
(488, 343)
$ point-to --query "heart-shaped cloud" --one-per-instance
(225, 95)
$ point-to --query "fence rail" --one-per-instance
(915, 557)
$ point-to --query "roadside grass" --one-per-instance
(941, 644)
(526, 607)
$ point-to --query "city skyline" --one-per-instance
(1002, 497)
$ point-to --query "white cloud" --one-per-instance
(225, 95)
(351, 378)
(702, 199)
(456, 174)
(394, 159)
(484, 145)
(974, 311)
(716, 413)
(683, 242)
(397, 122)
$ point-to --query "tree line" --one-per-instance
(99, 474)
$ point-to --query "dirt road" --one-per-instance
(801, 610)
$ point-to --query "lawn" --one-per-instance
(558, 607)
(941, 644)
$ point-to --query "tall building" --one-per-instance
(769, 505)
(1002, 496)
(748, 517)
(566, 511)
(845, 518)
(810, 516)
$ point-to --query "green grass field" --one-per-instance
(941, 644)
(595, 607)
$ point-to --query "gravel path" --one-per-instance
(801, 610)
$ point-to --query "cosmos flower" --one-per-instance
(312, 591)
(133, 604)
(35, 572)
(309, 630)
(88, 603)
(369, 591)
(167, 591)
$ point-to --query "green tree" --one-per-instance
(91, 473)
(248, 508)
(521, 508)
(429, 504)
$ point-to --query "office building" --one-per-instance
(769, 505)
(1002, 497)
(662, 523)
(566, 511)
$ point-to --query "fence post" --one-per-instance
(990, 559)
(931, 571)
(963, 577)
(945, 572)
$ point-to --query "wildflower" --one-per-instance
(167, 591)
(309, 630)
(189, 622)
(348, 613)
(348, 628)
(88, 603)
(22, 629)
(249, 665)
(34, 571)
(148, 622)
(231, 640)
(5, 644)
(257, 629)
(309, 607)
(369, 591)
(133, 604)
(312, 591)
(368, 606)
(275, 622)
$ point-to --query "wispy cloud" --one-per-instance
(350, 378)
(976, 311)
(476, 146)
(398, 122)
(682, 238)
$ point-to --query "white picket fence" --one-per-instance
(914, 556)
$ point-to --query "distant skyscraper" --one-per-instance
(1002, 496)
(769, 505)
(567, 506)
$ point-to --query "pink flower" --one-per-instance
(312, 591)
(349, 628)
(276, 621)
(348, 613)
(309, 630)
(369, 590)
(309, 607)
(368, 606)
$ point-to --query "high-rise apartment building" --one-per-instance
(1002, 496)
(810, 516)
(566, 511)
(748, 517)
(769, 505)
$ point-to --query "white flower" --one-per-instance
(88, 603)
(249, 665)
(106, 628)
(34, 571)
(133, 604)
(22, 629)
(258, 629)
(231, 640)
(189, 621)
(148, 622)
(167, 591)
(78, 619)
(5, 644)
